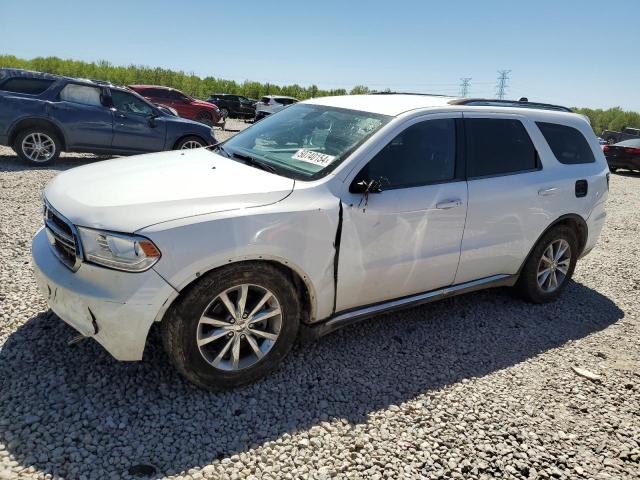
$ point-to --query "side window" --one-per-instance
(422, 154)
(81, 94)
(128, 103)
(498, 146)
(567, 144)
(31, 86)
(152, 93)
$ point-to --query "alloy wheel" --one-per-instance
(38, 147)
(554, 265)
(239, 327)
(190, 144)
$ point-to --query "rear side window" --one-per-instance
(155, 93)
(81, 94)
(567, 143)
(265, 99)
(31, 86)
(422, 154)
(498, 147)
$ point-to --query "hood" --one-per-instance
(200, 103)
(130, 193)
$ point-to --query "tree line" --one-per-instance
(610, 119)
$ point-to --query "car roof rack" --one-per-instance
(410, 93)
(522, 103)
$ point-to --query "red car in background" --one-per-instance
(185, 105)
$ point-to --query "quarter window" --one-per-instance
(422, 154)
(31, 86)
(81, 94)
(567, 143)
(497, 147)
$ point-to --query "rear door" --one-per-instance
(508, 185)
(134, 127)
(87, 122)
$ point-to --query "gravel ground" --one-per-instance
(479, 386)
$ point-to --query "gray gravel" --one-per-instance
(480, 386)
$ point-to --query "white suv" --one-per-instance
(333, 210)
(271, 104)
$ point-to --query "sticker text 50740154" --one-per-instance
(316, 158)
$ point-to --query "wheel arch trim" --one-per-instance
(279, 262)
(583, 232)
(30, 122)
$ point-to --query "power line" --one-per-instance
(464, 86)
(501, 88)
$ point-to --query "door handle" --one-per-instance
(545, 192)
(447, 204)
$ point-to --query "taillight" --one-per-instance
(632, 150)
(606, 148)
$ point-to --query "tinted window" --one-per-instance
(153, 93)
(497, 146)
(265, 99)
(126, 102)
(81, 94)
(567, 144)
(424, 153)
(32, 86)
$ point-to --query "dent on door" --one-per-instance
(399, 242)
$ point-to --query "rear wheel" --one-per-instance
(611, 140)
(190, 142)
(224, 113)
(550, 266)
(204, 117)
(233, 327)
(37, 145)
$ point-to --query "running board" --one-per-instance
(317, 330)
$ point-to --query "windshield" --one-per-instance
(306, 141)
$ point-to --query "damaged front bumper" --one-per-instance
(114, 308)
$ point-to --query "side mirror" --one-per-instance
(151, 119)
(366, 186)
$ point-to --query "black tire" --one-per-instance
(612, 140)
(190, 140)
(204, 117)
(224, 113)
(527, 285)
(180, 326)
(43, 132)
(613, 169)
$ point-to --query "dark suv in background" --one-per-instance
(234, 106)
(42, 115)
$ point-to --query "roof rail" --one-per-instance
(410, 93)
(490, 102)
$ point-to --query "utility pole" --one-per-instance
(464, 86)
(501, 88)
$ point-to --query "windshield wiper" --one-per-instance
(222, 151)
(254, 162)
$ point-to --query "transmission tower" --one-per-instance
(501, 88)
(464, 86)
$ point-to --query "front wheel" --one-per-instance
(233, 327)
(37, 146)
(190, 142)
(550, 266)
(204, 117)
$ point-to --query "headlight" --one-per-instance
(130, 253)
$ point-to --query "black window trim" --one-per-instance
(538, 161)
(459, 174)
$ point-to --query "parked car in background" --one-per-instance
(271, 104)
(186, 106)
(42, 115)
(627, 133)
(624, 154)
(234, 106)
(334, 210)
(602, 141)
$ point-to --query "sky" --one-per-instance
(582, 53)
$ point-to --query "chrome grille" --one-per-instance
(62, 237)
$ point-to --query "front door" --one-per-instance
(134, 129)
(406, 239)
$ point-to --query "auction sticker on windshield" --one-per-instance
(317, 158)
